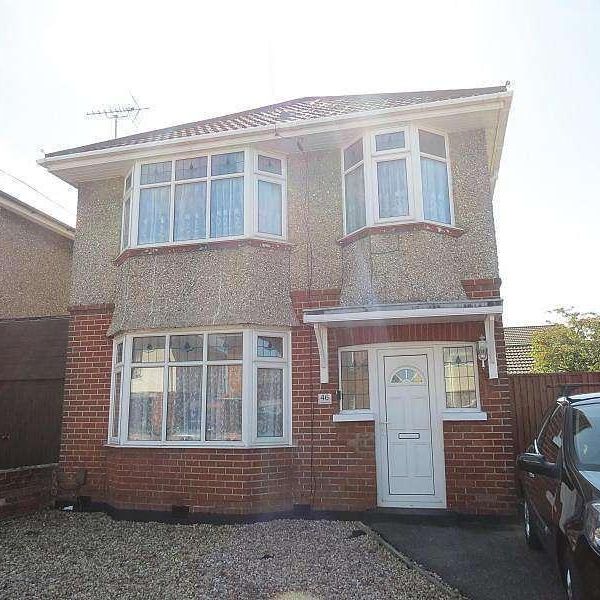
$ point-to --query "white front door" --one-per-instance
(409, 432)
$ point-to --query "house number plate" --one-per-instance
(324, 398)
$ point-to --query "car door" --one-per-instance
(545, 495)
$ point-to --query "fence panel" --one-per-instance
(32, 367)
(533, 394)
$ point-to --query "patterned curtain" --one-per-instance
(224, 402)
(269, 207)
(269, 401)
(184, 403)
(190, 211)
(392, 188)
(227, 207)
(153, 220)
(436, 197)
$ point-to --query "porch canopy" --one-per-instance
(401, 314)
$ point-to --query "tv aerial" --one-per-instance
(119, 111)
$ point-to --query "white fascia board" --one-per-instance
(38, 219)
(439, 108)
(417, 313)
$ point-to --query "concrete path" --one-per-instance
(482, 559)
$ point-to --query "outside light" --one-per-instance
(482, 350)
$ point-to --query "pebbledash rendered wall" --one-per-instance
(331, 465)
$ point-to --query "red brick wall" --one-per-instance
(342, 455)
(25, 489)
(87, 396)
(332, 465)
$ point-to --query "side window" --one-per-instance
(549, 441)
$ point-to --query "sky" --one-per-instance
(192, 60)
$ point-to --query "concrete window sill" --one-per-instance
(478, 415)
(353, 416)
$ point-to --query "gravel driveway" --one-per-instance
(76, 556)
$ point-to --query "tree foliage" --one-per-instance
(570, 344)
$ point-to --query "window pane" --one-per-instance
(269, 402)
(354, 379)
(190, 211)
(191, 168)
(436, 195)
(227, 207)
(155, 173)
(268, 164)
(271, 347)
(153, 220)
(586, 435)
(183, 348)
(392, 188)
(126, 219)
(224, 402)
(225, 346)
(269, 207)
(145, 403)
(459, 377)
(119, 353)
(150, 349)
(116, 408)
(355, 200)
(221, 164)
(353, 154)
(388, 141)
(184, 403)
(431, 143)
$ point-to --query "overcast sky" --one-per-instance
(192, 60)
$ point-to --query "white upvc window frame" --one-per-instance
(249, 362)
(270, 178)
(347, 171)
(448, 414)
(251, 175)
(412, 154)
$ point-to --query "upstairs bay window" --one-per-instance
(204, 197)
(404, 176)
(227, 388)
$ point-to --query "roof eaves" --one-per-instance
(65, 155)
(36, 216)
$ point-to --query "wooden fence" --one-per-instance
(32, 368)
(533, 394)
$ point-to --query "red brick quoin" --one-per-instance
(331, 466)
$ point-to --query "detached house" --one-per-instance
(298, 304)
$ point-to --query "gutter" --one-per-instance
(497, 100)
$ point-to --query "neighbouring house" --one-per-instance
(517, 340)
(35, 275)
(293, 306)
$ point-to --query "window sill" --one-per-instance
(478, 415)
(199, 246)
(192, 446)
(344, 417)
(400, 227)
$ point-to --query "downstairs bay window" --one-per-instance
(204, 197)
(400, 174)
(226, 388)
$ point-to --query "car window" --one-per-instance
(586, 435)
(549, 441)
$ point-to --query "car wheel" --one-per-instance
(572, 578)
(531, 537)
